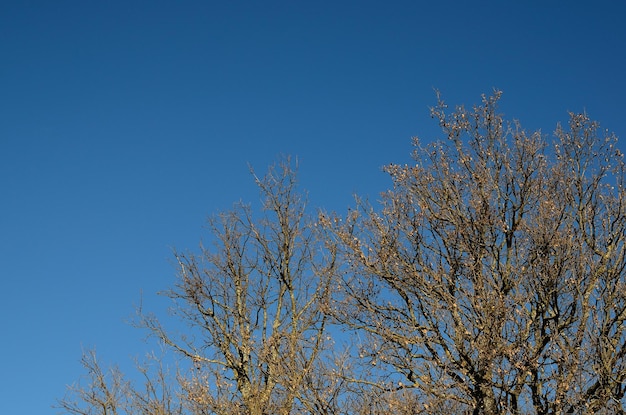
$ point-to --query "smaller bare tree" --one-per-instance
(101, 392)
(253, 305)
(254, 339)
(107, 391)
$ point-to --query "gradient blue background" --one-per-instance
(123, 124)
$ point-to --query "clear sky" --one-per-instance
(123, 124)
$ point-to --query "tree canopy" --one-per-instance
(489, 279)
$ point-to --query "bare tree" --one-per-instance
(254, 337)
(102, 392)
(492, 279)
(108, 392)
(253, 304)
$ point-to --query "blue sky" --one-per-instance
(124, 124)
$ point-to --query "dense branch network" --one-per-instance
(489, 280)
